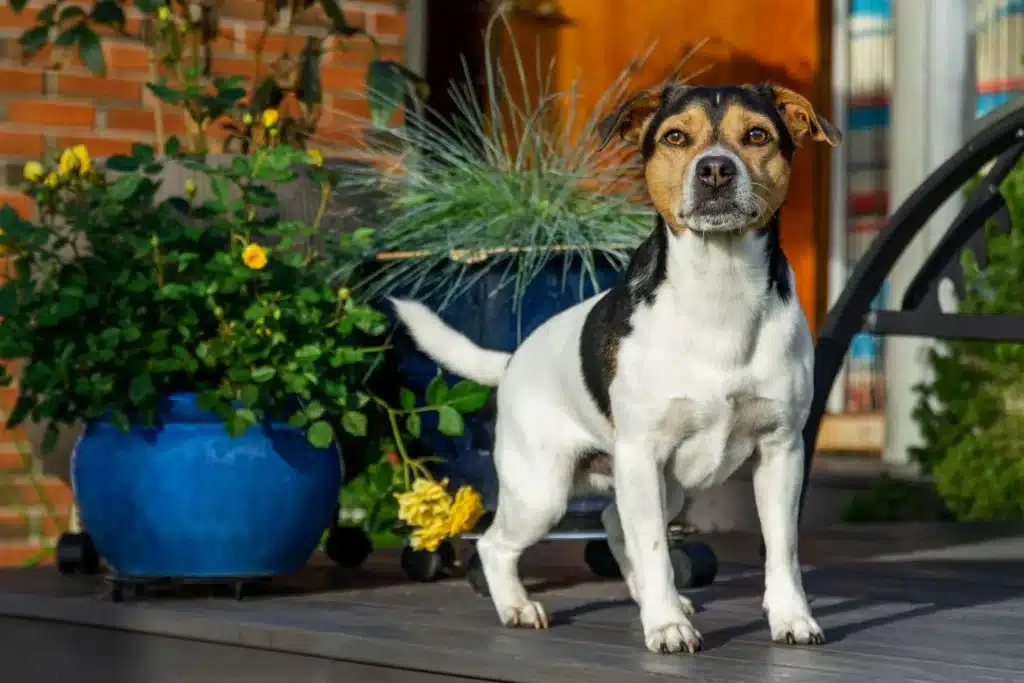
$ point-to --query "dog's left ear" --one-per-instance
(801, 119)
(630, 118)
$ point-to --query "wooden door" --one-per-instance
(785, 41)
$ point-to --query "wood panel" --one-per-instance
(785, 41)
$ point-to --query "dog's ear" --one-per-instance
(801, 119)
(628, 121)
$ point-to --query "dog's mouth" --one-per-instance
(720, 215)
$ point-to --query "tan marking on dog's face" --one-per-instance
(665, 171)
(755, 140)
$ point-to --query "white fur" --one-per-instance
(713, 369)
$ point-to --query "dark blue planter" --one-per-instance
(486, 315)
(187, 500)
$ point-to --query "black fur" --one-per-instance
(778, 266)
(609, 320)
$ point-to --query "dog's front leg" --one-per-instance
(777, 479)
(638, 493)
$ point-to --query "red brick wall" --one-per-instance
(43, 111)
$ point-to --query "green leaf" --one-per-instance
(90, 51)
(355, 423)
(437, 391)
(414, 425)
(309, 352)
(108, 12)
(70, 13)
(449, 421)
(337, 17)
(466, 396)
(249, 394)
(320, 434)
(170, 96)
(221, 187)
(298, 419)
(144, 153)
(241, 419)
(120, 420)
(123, 163)
(407, 399)
(385, 85)
(149, 6)
(315, 410)
(263, 374)
(33, 40)
(51, 437)
(18, 5)
(125, 187)
(141, 388)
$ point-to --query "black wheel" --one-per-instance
(238, 588)
(475, 576)
(349, 546)
(598, 556)
(425, 566)
(694, 565)
(75, 552)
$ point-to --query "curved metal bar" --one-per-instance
(983, 203)
(847, 315)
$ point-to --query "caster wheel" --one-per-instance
(76, 553)
(475, 576)
(694, 564)
(425, 566)
(599, 558)
(348, 546)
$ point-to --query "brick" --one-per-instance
(93, 87)
(141, 120)
(21, 80)
(343, 78)
(11, 459)
(274, 43)
(23, 524)
(100, 146)
(26, 18)
(389, 24)
(22, 204)
(20, 490)
(226, 66)
(127, 58)
(18, 144)
(49, 113)
(359, 51)
(18, 554)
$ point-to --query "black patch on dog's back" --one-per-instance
(608, 322)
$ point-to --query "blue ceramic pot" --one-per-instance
(186, 500)
(485, 313)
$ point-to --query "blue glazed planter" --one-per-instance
(485, 314)
(187, 500)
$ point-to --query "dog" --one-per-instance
(700, 359)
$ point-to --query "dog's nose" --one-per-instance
(716, 171)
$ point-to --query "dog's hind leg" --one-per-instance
(674, 498)
(533, 494)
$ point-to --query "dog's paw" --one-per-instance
(795, 629)
(687, 605)
(528, 615)
(679, 636)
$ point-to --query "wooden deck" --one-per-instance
(897, 604)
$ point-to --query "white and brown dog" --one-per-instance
(700, 358)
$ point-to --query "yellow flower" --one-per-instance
(429, 537)
(315, 157)
(428, 502)
(344, 294)
(75, 160)
(52, 180)
(270, 118)
(467, 509)
(247, 118)
(254, 256)
(163, 14)
(33, 171)
(190, 187)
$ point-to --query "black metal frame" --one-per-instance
(920, 314)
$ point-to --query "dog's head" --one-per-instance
(718, 159)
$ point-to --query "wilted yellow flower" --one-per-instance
(33, 172)
(467, 509)
(344, 294)
(247, 118)
(52, 180)
(270, 118)
(75, 160)
(163, 14)
(316, 158)
(426, 503)
(429, 537)
(254, 256)
(190, 187)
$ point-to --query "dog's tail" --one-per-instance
(450, 348)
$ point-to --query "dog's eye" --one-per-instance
(676, 138)
(757, 136)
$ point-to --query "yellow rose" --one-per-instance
(315, 157)
(254, 256)
(427, 502)
(75, 160)
(33, 171)
(270, 118)
(429, 537)
(163, 14)
(467, 509)
(52, 180)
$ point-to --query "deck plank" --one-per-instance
(948, 608)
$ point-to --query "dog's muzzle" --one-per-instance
(718, 193)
